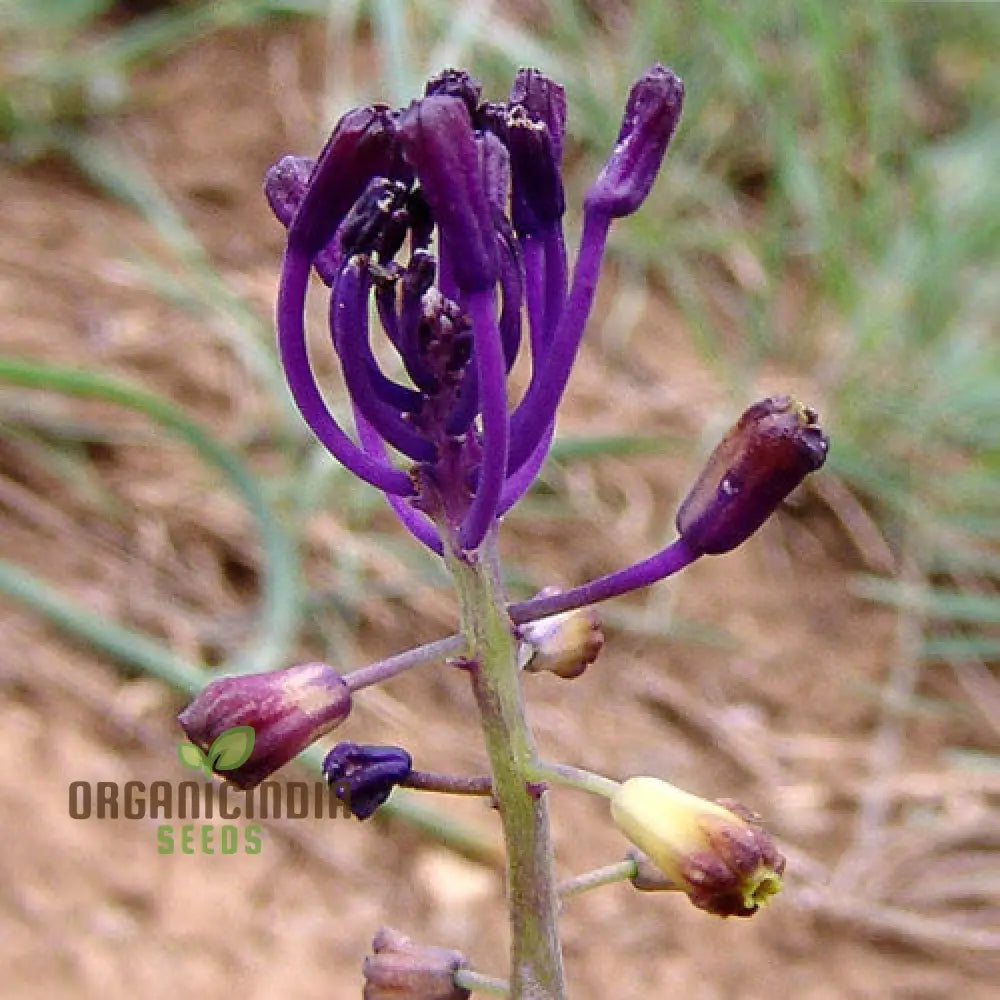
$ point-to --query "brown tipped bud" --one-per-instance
(720, 857)
(287, 710)
(402, 970)
(774, 445)
(564, 644)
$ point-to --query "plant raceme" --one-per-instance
(444, 220)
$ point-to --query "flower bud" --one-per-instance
(651, 115)
(363, 776)
(718, 855)
(402, 970)
(774, 445)
(287, 709)
(564, 644)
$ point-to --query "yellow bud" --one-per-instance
(718, 855)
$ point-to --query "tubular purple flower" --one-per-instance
(302, 383)
(438, 143)
(288, 709)
(363, 145)
(349, 320)
(491, 372)
(415, 522)
(774, 445)
(651, 115)
(537, 409)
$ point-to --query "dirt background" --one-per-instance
(767, 690)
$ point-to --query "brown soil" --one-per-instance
(767, 688)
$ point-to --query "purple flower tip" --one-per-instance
(774, 445)
(285, 186)
(651, 115)
(287, 709)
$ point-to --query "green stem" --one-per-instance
(573, 777)
(536, 959)
(620, 871)
(479, 983)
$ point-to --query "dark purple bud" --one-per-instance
(363, 776)
(456, 83)
(438, 143)
(363, 145)
(538, 199)
(545, 101)
(285, 186)
(287, 709)
(402, 970)
(774, 445)
(651, 115)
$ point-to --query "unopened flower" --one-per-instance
(564, 644)
(774, 445)
(398, 969)
(719, 855)
(363, 776)
(287, 709)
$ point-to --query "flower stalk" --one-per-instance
(536, 957)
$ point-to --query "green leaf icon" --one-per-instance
(191, 756)
(231, 748)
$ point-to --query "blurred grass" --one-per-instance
(830, 212)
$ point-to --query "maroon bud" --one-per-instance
(287, 709)
(774, 445)
(402, 970)
(651, 115)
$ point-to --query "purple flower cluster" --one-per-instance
(449, 214)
